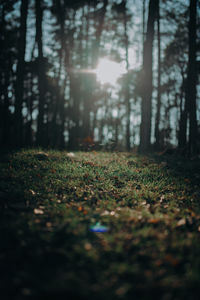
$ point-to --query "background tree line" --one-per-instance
(49, 98)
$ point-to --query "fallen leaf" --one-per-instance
(162, 198)
(88, 246)
(70, 155)
(38, 211)
(48, 224)
(171, 260)
(32, 192)
(153, 221)
(181, 222)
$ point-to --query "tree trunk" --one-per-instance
(182, 136)
(127, 93)
(20, 74)
(74, 132)
(146, 109)
(58, 135)
(157, 131)
(191, 79)
(143, 19)
(41, 74)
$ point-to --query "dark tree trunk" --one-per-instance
(58, 136)
(143, 19)
(74, 132)
(74, 106)
(41, 73)
(157, 124)
(191, 79)
(5, 113)
(19, 90)
(87, 87)
(146, 109)
(182, 139)
(127, 93)
(4, 83)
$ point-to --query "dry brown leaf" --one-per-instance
(181, 222)
(153, 221)
(88, 246)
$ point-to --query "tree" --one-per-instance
(146, 109)
(60, 101)
(157, 121)
(20, 74)
(8, 54)
(127, 92)
(192, 78)
(41, 72)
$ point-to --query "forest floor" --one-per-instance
(53, 203)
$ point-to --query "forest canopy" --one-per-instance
(100, 74)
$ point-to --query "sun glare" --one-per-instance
(108, 71)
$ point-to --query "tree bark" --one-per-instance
(41, 73)
(182, 136)
(146, 109)
(157, 131)
(191, 79)
(58, 136)
(20, 74)
(127, 92)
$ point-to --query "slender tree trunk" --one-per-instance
(4, 84)
(41, 73)
(87, 87)
(127, 93)
(182, 139)
(146, 109)
(143, 19)
(6, 114)
(191, 79)
(157, 124)
(58, 136)
(75, 113)
(74, 106)
(19, 90)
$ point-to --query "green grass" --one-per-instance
(151, 206)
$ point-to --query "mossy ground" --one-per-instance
(150, 205)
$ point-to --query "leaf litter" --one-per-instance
(140, 210)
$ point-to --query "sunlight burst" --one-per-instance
(108, 71)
